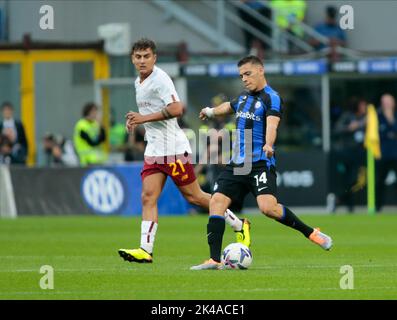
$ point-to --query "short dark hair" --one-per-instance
(331, 12)
(88, 107)
(6, 104)
(250, 59)
(143, 44)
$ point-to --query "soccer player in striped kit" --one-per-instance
(252, 168)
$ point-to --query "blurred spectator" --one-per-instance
(330, 28)
(388, 140)
(222, 122)
(14, 131)
(288, 16)
(8, 155)
(117, 134)
(135, 145)
(350, 154)
(118, 137)
(252, 44)
(89, 137)
(213, 158)
(304, 117)
(59, 151)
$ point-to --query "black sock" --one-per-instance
(215, 230)
(291, 220)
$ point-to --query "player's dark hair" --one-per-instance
(250, 59)
(143, 44)
(6, 104)
(88, 107)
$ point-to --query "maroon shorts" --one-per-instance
(178, 168)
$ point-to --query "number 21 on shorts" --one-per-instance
(174, 167)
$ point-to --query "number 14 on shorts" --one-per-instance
(261, 178)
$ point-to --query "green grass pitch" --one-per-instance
(83, 253)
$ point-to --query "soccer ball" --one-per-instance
(236, 256)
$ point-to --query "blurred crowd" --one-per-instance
(349, 157)
(289, 16)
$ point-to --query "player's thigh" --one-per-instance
(152, 185)
(263, 181)
(219, 203)
(233, 187)
(181, 171)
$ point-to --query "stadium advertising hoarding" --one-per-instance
(114, 190)
(295, 68)
(302, 179)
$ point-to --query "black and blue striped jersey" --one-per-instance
(251, 109)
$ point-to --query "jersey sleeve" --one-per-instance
(274, 105)
(166, 91)
(234, 104)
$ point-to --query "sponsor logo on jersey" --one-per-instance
(144, 104)
(248, 115)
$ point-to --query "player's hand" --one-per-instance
(202, 115)
(135, 118)
(129, 126)
(206, 113)
(128, 115)
(269, 151)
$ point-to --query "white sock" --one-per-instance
(148, 234)
(233, 221)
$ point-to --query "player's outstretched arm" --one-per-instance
(222, 109)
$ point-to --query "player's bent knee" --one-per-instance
(219, 202)
(148, 197)
(212, 201)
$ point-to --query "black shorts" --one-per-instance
(261, 180)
